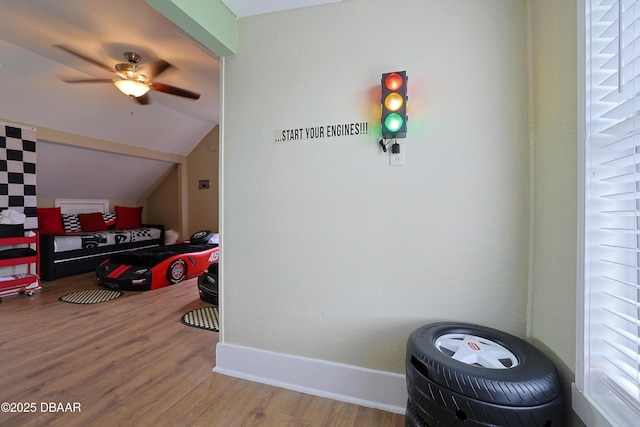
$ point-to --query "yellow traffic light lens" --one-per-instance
(393, 81)
(393, 122)
(393, 101)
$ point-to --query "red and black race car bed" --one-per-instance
(153, 268)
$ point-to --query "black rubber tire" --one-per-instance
(208, 285)
(437, 406)
(212, 271)
(210, 277)
(177, 271)
(412, 418)
(201, 236)
(534, 381)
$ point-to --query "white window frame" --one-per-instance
(595, 409)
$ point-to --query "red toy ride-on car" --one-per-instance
(153, 268)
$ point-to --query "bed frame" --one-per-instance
(54, 265)
(78, 206)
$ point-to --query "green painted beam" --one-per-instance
(209, 22)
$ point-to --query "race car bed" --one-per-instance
(153, 268)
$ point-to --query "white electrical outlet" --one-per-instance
(397, 159)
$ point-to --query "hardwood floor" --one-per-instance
(130, 362)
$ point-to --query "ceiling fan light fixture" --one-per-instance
(132, 88)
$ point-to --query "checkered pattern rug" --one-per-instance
(91, 296)
(203, 318)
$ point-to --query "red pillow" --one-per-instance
(128, 217)
(50, 221)
(92, 222)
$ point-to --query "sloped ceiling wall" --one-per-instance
(33, 92)
(75, 172)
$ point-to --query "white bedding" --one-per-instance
(70, 242)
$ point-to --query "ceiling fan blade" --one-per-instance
(161, 87)
(89, 81)
(157, 68)
(143, 100)
(85, 58)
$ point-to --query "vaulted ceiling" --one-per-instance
(32, 70)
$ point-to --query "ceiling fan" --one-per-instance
(131, 82)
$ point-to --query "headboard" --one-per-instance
(78, 206)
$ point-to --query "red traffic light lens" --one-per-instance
(393, 81)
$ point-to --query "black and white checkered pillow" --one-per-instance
(71, 223)
(109, 218)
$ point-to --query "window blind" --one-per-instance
(612, 209)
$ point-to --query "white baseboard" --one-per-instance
(588, 413)
(366, 387)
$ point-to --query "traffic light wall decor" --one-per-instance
(394, 105)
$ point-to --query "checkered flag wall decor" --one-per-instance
(18, 172)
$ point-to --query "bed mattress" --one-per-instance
(71, 242)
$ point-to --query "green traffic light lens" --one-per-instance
(393, 122)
